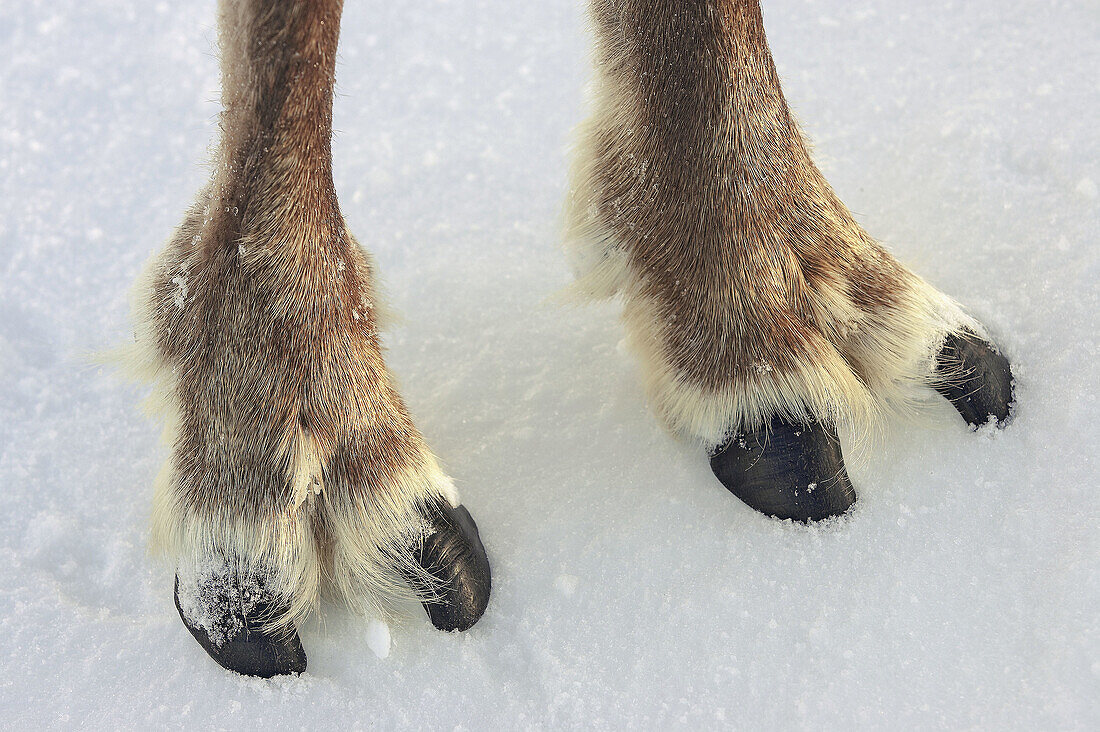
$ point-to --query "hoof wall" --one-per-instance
(789, 471)
(976, 379)
(227, 622)
(454, 555)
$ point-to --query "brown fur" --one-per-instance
(745, 276)
(291, 447)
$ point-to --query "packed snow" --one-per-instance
(630, 589)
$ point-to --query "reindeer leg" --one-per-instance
(763, 315)
(295, 465)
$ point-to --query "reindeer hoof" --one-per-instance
(227, 620)
(785, 470)
(454, 555)
(978, 379)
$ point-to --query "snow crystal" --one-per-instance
(203, 601)
(214, 596)
(179, 296)
(378, 638)
(566, 584)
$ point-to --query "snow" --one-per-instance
(630, 590)
(206, 588)
(378, 637)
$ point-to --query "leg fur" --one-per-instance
(750, 291)
(293, 458)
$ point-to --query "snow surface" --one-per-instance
(630, 590)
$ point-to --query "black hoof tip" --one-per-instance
(230, 631)
(977, 379)
(454, 555)
(785, 470)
